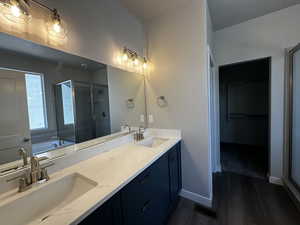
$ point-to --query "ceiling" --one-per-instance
(146, 10)
(226, 13)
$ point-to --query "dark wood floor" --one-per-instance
(241, 200)
(245, 160)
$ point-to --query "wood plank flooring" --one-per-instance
(241, 200)
(245, 160)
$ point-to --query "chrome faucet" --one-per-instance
(34, 174)
(139, 135)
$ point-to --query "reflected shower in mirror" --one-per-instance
(54, 99)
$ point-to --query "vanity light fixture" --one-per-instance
(16, 11)
(131, 57)
(55, 26)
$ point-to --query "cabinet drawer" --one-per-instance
(145, 200)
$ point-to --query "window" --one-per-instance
(67, 99)
(36, 101)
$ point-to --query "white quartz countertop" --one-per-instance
(111, 170)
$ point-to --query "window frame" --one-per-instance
(44, 102)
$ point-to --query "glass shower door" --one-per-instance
(294, 115)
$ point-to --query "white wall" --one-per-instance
(96, 29)
(263, 37)
(177, 48)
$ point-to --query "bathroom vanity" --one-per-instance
(148, 198)
(117, 182)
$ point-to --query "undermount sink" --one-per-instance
(38, 204)
(152, 142)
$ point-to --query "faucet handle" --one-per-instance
(23, 154)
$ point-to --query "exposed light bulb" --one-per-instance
(145, 65)
(57, 27)
(15, 10)
(125, 57)
(136, 62)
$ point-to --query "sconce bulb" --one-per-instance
(125, 57)
(57, 27)
(136, 62)
(15, 10)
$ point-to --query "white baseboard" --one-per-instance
(196, 198)
(275, 180)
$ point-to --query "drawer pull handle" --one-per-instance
(145, 207)
(145, 178)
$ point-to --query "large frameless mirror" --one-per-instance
(51, 100)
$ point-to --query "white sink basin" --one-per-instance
(152, 142)
(38, 204)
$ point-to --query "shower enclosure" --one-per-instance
(292, 122)
(82, 111)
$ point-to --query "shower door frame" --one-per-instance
(289, 118)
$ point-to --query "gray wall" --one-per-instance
(177, 48)
(123, 86)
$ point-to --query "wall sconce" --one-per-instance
(131, 58)
(162, 101)
(130, 103)
(18, 11)
(56, 27)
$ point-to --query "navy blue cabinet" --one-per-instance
(175, 179)
(146, 200)
(147, 196)
(109, 213)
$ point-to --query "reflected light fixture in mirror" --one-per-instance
(16, 11)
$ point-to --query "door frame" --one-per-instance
(289, 119)
(269, 106)
(214, 111)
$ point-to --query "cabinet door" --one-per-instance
(146, 199)
(108, 214)
(162, 195)
(174, 173)
(137, 198)
(178, 148)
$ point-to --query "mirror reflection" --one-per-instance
(55, 99)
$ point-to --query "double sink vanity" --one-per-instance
(75, 147)
(124, 183)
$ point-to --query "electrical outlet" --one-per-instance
(142, 118)
(151, 119)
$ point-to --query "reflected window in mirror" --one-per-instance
(36, 101)
(67, 101)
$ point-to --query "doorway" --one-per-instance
(244, 96)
